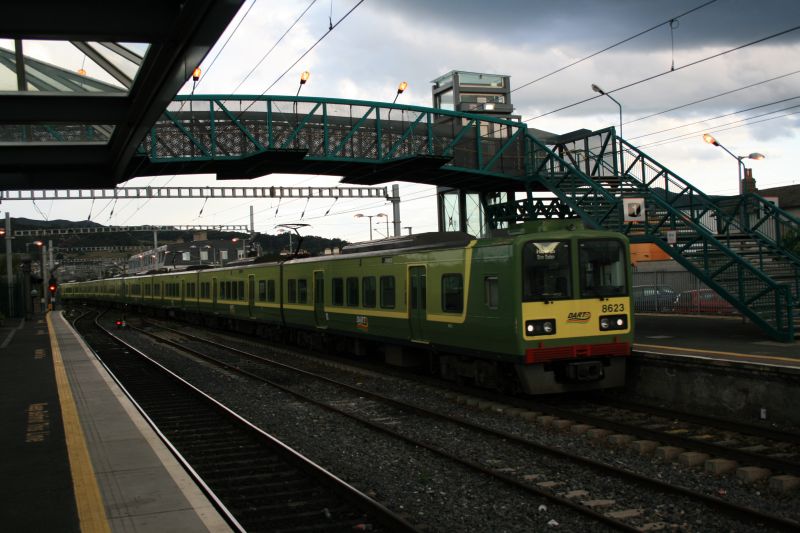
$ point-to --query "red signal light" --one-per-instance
(52, 288)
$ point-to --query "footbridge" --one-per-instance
(745, 248)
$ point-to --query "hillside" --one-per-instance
(271, 244)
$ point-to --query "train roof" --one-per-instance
(434, 239)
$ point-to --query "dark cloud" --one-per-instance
(585, 24)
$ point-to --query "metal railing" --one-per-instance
(674, 205)
(326, 132)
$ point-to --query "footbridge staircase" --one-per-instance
(744, 248)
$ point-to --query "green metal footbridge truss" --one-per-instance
(745, 248)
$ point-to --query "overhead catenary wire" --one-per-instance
(607, 48)
(713, 118)
(655, 76)
(304, 54)
(718, 95)
(719, 128)
(258, 64)
(230, 36)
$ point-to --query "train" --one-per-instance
(539, 307)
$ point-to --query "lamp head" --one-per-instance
(756, 156)
(402, 87)
(710, 139)
(597, 89)
(359, 215)
(304, 77)
(196, 74)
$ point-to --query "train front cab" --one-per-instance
(575, 315)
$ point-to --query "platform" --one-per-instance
(77, 455)
(714, 337)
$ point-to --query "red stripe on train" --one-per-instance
(575, 351)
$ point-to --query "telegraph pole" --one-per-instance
(396, 209)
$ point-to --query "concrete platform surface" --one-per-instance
(714, 337)
(78, 455)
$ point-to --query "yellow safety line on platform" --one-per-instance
(730, 354)
(91, 511)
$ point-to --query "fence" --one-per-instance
(676, 292)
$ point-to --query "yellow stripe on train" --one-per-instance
(576, 318)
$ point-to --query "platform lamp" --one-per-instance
(400, 90)
(755, 156)
(303, 79)
(195, 77)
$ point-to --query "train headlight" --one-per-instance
(612, 322)
(540, 327)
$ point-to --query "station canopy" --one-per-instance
(81, 83)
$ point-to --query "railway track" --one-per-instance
(778, 451)
(516, 461)
(254, 480)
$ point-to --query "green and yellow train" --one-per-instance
(542, 307)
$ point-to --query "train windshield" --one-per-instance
(546, 271)
(602, 268)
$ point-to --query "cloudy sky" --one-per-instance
(383, 42)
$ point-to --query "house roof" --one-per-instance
(788, 195)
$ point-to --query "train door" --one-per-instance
(214, 290)
(417, 296)
(251, 295)
(319, 299)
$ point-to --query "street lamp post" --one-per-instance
(597, 89)
(755, 156)
(370, 217)
(384, 215)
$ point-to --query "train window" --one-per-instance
(452, 293)
(302, 291)
(262, 290)
(337, 291)
(157, 289)
(147, 290)
(387, 292)
(271, 290)
(352, 292)
(369, 289)
(546, 273)
(240, 285)
(492, 292)
(222, 290)
(292, 292)
(602, 268)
